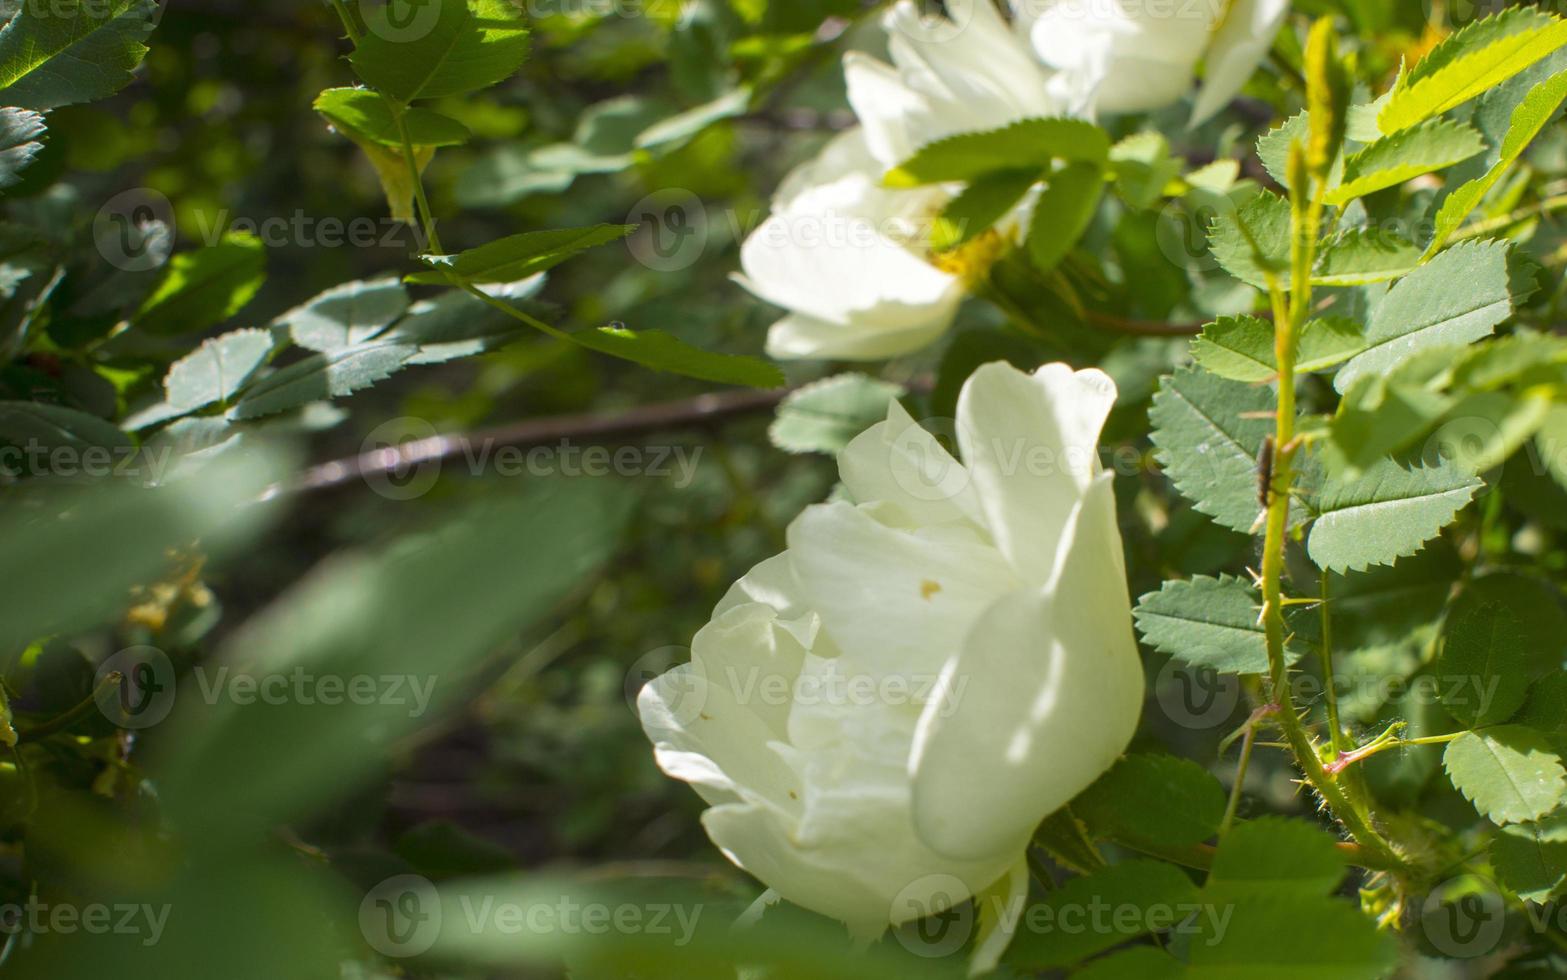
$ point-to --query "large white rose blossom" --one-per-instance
(1143, 54)
(850, 260)
(880, 716)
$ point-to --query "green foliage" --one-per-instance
(1432, 145)
(663, 351)
(1252, 242)
(1510, 773)
(1385, 513)
(1063, 212)
(1206, 622)
(517, 256)
(1482, 55)
(1031, 144)
(365, 115)
(52, 56)
(20, 130)
(1485, 643)
(1529, 118)
(1274, 857)
(1147, 886)
(979, 206)
(205, 287)
(1241, 348)
(1209, 432)
(467, 46)
(322, 376)
(824, 416)
(1152, 801)
(1459, 296)
(1531, 858)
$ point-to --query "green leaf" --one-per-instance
(1063, 212)
(428, 614)
(1531, 858)
(1430, 146)
(217, 369)
(1510, 773)
(1206, 622)
(1137, 963)
(366, 115)
(1360, 256)
(1292, 938)
(322, 376)
(19, 142)
(205, 287)
(1546, 709)
(1457, 297)
(1272, 857)
(681, 128)
(1153, 800)
(517, 256)
(450, 47)
(1027, 145)
(25, 424)
(1385, 513)
(1467, 63)
(1534, 605)
(1483, 645)
(1143, 167)
(1209, 432)
(346, 315)
(72, 555)
(980, 205)
(53, 55)
(1153, 889)
(825, 416)
(1529, 118)
(1254, 240)
(664, 352)
(458, 324)
(1240, 348)
(1552, 443)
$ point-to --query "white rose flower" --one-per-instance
(1143, 54)
(882, 714)
(850, 259)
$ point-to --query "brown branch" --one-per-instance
(703, 410)
(1144, 328)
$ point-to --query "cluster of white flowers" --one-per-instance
(847, 257)
(998, 592)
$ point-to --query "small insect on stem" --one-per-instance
(1265, 473)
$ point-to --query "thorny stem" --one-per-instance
(1306, 224)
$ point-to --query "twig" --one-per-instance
(703, 410)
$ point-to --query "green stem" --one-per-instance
(1306, 223)
(1329, 690)
(427, 216)
(347, 18)
(1241, 768)
(83, 709)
